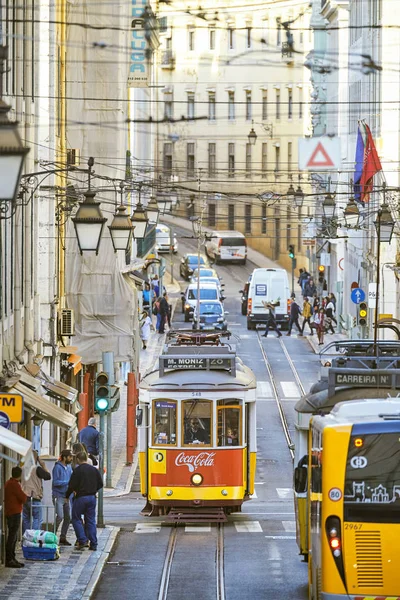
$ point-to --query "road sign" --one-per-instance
(4, 420)
(319, 154)
(13, 406)
(308, 242)
(372, 295)
(357, 295)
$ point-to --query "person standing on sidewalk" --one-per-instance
(91, 438)
(145, 328)
(85, 482)
(14, 500)
(295, 312)
(307, 314)
(32, 514)
(62, 472)
(164, 311)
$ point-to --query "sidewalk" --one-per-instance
(72, 577)
(328, 338)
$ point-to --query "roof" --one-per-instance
(321, 402)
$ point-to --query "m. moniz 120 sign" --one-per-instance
(196, 362)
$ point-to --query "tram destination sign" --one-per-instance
(196, 362)
(363, 379)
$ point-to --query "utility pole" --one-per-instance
(108, 367)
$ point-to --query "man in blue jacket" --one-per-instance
(90, 437)
(62, 472)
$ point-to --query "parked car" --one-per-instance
(190, 262)
(244, 298)
(212, 316)
(208, 291)
(228, 246)
(163, 239)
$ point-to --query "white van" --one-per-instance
(268, 285)
(163, 240)
(226, 246)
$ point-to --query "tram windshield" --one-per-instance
(372, 485)
(197, 422)
(164, 423)
(229, 422)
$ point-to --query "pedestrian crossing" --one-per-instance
(244, 526)
(289, 390)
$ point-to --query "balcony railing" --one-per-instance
(168, 59)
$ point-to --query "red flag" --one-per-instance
(371, 166)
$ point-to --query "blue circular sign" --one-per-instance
(4, 419)
(357, 295)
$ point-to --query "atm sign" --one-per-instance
(13, 406)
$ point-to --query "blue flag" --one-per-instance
(360, 148)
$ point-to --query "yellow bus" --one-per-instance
(352, 481)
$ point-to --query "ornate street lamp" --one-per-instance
(252, 137)
(298, 197)
(351, 214)
(290, 194)
(121, 229)
(165, 204)
(384, 225)
(12, 156)
(139, 220)
(89, 223)
(329, 206)
(152, 211)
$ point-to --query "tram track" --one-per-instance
(276, 393)
(173, 544)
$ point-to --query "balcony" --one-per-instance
(168, 59)
(287, 53)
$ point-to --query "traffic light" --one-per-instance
(321, 273)
(291, 251)
(362, 314)
(102, 392)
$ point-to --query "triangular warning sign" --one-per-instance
(320, 158)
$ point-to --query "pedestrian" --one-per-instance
(155, 284)
(14, 500)
(295, 312)
(146, 296)
(309, 288)
(319, 325)
(145, 327)
(61, 475)
(329, 315)
(271, 321)
(156, 311)
(32, 514)
(85, 482)
(307, 314)
(164, 310)
(331, 308)
(91, 438)
(315, 303)
(169, 315)
(304, 275)
(76, 448)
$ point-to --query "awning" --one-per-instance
(67, 349)
(14, 442)
(45, 409)
(75, 361)
(54, 388)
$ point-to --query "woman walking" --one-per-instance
(145, 327)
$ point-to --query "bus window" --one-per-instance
(196, 422)
(229, 423)
(164, 422)
(372, 483)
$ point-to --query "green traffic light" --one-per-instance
(102, 404)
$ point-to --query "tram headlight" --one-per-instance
(333, 532)
(197, 479)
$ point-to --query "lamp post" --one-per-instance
(152, 211)
(351, 214)
(89, 223)
(384, 228)
(252, 137)
(298, 197)
(139, 220)
(12, 156)
(121, 230)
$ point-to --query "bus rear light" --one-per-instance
(335, 543)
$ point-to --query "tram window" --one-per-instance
(164, 422)
(197, 422)
(229, 423)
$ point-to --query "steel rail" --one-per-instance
(220, 575)
(282, 415)
(166, 572)
(294, 370)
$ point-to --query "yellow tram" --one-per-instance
(197, 429)
(352, 479)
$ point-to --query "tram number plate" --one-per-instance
(194, 362)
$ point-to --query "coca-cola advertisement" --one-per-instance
(218, 467)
